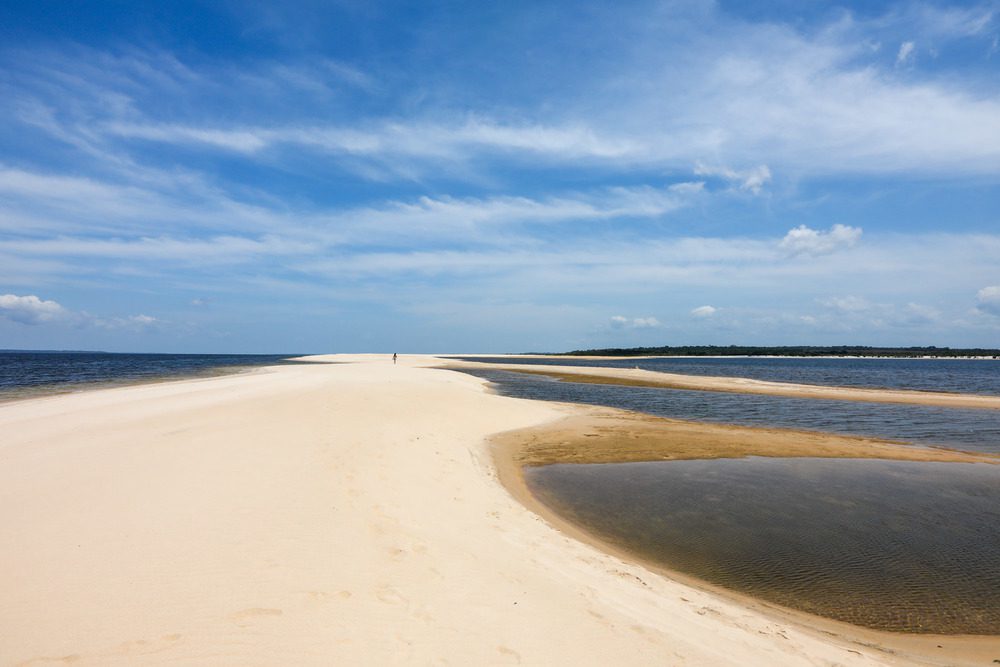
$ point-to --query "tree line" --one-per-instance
(785, 351)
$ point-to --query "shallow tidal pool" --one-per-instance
(890, 545)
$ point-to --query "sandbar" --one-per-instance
(636, 377)
(607, 435)
(324, 514)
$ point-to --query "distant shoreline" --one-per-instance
(569, 355)
(790, 351)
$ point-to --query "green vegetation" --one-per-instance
(786, 351)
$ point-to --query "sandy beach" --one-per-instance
(345, 513)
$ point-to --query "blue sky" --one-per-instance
(419, 177)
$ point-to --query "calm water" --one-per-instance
(976, 430)
(891, 545)
(971, 376)
(24, 374)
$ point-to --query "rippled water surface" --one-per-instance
(972, 376)
(891, 545)
(25, 374)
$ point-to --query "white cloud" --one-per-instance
(704, 311)
(456, 140)
(164, 249)
(246, 141)
(186, 224)
(151, 202)
(848, 304)
(945, 23)
(131, 322)
(857, 313)
(689, 82)
(807, 101)
(988, 300)
(30, 309)
(751, 180)
(620, 322)
(832, 117)
(802, 240)
(433, 215)
(905, 53)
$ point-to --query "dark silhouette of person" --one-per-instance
(393, 357)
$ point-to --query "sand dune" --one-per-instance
(324, 514)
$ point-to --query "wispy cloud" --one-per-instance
(858, 313)
(848, 304)
(703, 312)
(988, 300)
(905, 53)
(621, 322)
(751, 180)
(816, 101)
(432, 140)
(77, 219)
(131, 322)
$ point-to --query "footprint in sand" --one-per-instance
(509, 653)
(390, 595)
(317, 596)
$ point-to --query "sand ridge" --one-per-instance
(607, 435)
(317, 514)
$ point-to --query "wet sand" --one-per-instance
(605, 435)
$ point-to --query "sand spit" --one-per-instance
(635, 377)
(325, 514)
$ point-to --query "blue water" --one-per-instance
(974, 430)
(25, 374)
(969, 376)
(891, 545)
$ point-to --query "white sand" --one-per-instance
(323, 514)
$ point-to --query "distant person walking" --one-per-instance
(393, 357)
